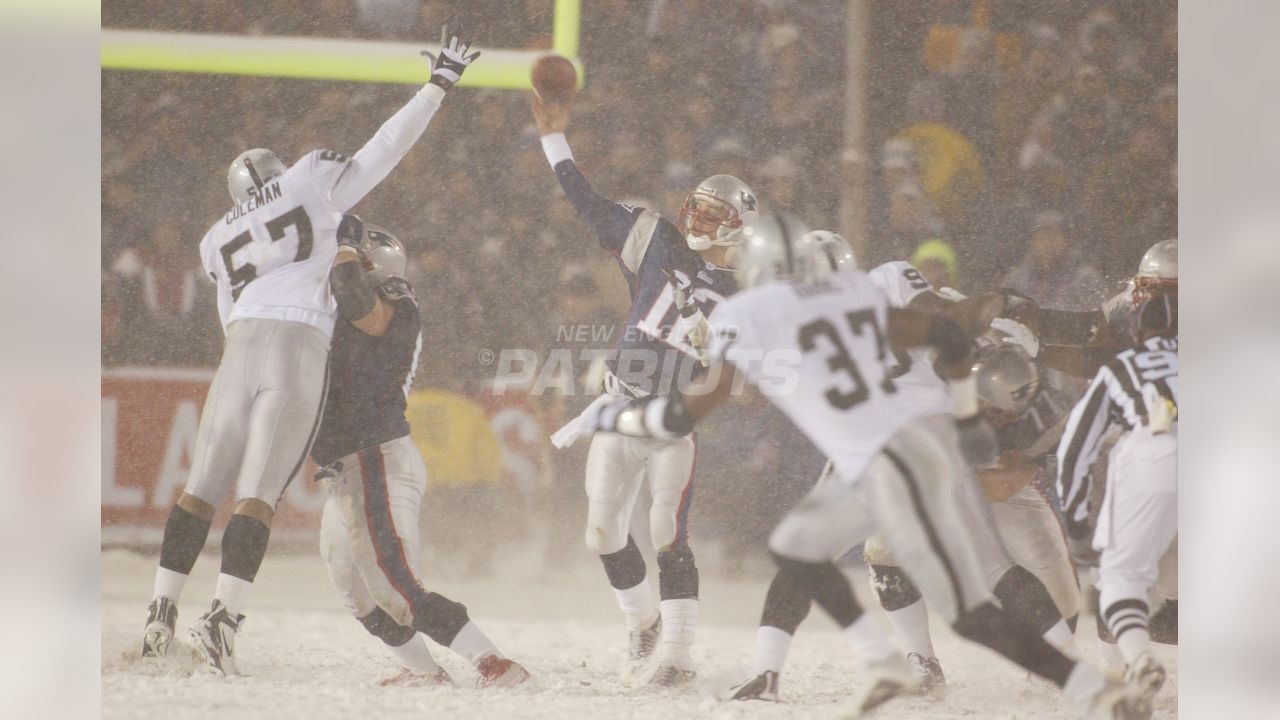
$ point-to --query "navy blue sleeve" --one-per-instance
(406, 321)
(610, 221)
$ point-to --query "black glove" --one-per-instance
(351, 231)
(978, 441)
(448, 66)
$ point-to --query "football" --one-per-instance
(555, 79)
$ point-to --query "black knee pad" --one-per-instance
(244, 543)
(184, 537)
(1164, 624)
(385, 628)
(1023, 596)
(624, 568)
(893, 587)
(440, 618)
(677, 574)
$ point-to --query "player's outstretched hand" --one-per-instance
(455, 55)
(978, 441)
(551, 117)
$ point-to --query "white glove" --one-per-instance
(1019, 335)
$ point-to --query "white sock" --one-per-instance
(911, 625)
(1083, 683)
(679, 625)
(1061, 637)
(1111, 659)
(472, 643)
(169, 583)
(637, 605)
(232, 591)
(869, 641)
(1133, 643)
(416, 656)
(770, 654)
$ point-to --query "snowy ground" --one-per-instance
(305, 658)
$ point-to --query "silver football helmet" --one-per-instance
(1158, 271)
(835, 250)
(778, 248)
(714, 213)
(1006, 377)
(250, 171)
(384, 255)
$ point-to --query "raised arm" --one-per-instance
(373, 162)
(610, 221)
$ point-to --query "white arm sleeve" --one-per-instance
(375, 160)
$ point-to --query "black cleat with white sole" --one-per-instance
(761, 687)
(162, 616)
(214, 639)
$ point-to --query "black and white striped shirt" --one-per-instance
(1121, 395)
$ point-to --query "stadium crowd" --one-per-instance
(1013, 143)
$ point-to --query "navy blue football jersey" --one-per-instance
(369, 379)
(653, 354)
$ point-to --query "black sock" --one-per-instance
(385, 628)
(828, 587)
(244, 544)
(1023, 596)
(990, 626)
(677, 574)
(787, 603)
(893, 587)
(440, 618)
(184, 538)
(624, 568)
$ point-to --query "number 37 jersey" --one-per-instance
(270, 256)
(820, 353)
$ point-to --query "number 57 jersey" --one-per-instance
(271, 255)
(820, 353)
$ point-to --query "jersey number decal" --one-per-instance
(242, 275)
(842, 362)
(915, 279)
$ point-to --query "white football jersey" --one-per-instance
(821, 354)
(271, 255)
(920, 386)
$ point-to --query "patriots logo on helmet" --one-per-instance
(748, 201)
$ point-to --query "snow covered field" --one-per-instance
(307, 659)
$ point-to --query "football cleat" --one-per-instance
(670, 675)
(643, 643)
(886, 680)
(499, 672)
(162, 615)
(409, 678)
(1147, 675)
(933, 682)
(1119, 701)
(214, 639)
(761, 687)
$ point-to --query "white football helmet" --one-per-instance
(1006, 377)
(836, 250)
(714, 213)
(383, 254)
(250, 171)
(1158, 270)
(778, 248)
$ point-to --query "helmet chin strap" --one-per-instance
(698, 242)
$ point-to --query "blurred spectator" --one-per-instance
(1053, 270)
(1020, 95)
(936, 260)
(1123, 188)
(949, 166)
(912, 220)
(1078, 128)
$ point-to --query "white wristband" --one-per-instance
(432, 93)
(964, 393)
(556, 147)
